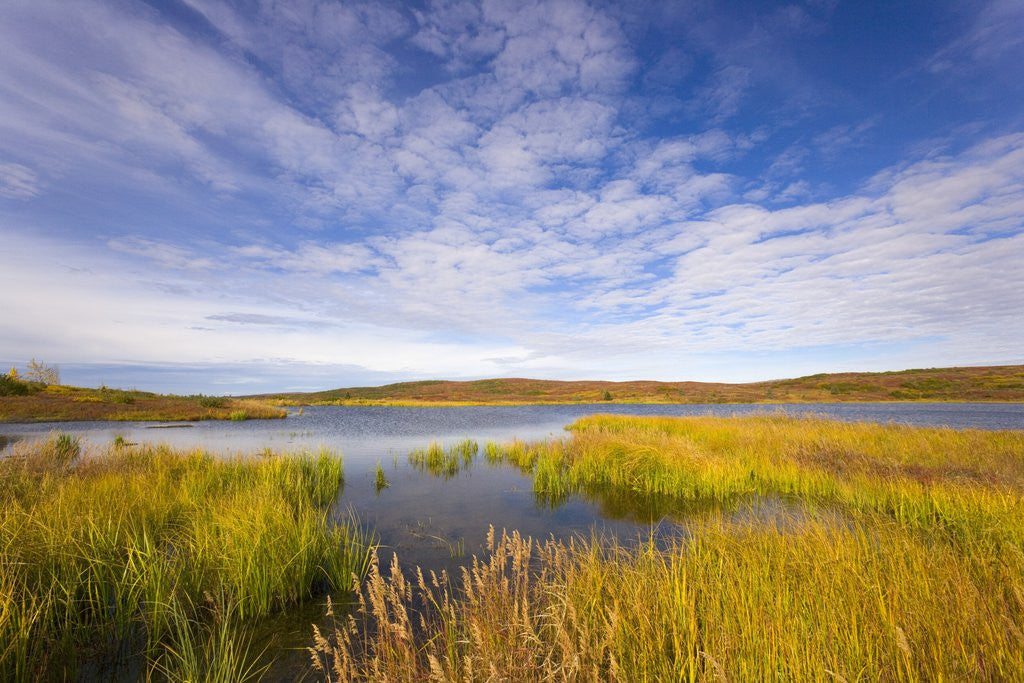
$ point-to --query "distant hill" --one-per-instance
(35, 402)
(994, 383)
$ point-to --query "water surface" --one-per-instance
(432, 520)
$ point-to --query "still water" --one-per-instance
(439, 522)
(428, 519)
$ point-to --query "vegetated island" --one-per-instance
(993, 383)
(22, 401)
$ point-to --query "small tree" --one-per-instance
(607, 395)
(38, 371)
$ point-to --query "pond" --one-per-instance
(439, 522)
(430, 519)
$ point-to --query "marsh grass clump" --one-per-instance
(160, 554)
(444, 462)
(493, 453)
(467, 450)
(61, 449)
(380, 480)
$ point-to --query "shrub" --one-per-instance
(12, 386)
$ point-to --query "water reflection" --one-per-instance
(8, 440)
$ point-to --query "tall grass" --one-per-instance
(968, 484)
(157, 552)
(899, 556)
(864, 601)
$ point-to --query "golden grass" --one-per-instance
(902, 559)
(863, 601)
(159, 554)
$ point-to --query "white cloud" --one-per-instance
(19, 182)
(513, 207)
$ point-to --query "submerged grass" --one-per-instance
(154, 558)
(380, 479)
(903, 560)
(444, 462)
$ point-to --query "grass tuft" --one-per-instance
(380, 480)
(444, 462)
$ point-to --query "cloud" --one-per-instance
(262, 319)
(19, 182)
(166, 255)
(470, 187)
(996, 32)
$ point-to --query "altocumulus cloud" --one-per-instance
(364, 192)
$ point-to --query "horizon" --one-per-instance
(187, 389)
(200, 196)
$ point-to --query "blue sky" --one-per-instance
(199, 195)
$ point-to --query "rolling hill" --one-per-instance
(992, 383)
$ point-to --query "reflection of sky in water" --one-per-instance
(368, 433)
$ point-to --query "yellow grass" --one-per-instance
(901, 558)
(168, 556)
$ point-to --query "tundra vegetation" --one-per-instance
(899, 555)
(27, 401)
(996, 383)
(144, 561)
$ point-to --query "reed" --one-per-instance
(160, 552)
(899, 555)
(858, 601)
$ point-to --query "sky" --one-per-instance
(230, 198)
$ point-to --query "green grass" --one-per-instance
(380, 480)
(444, 462)
(898, 555)
(169, 556)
